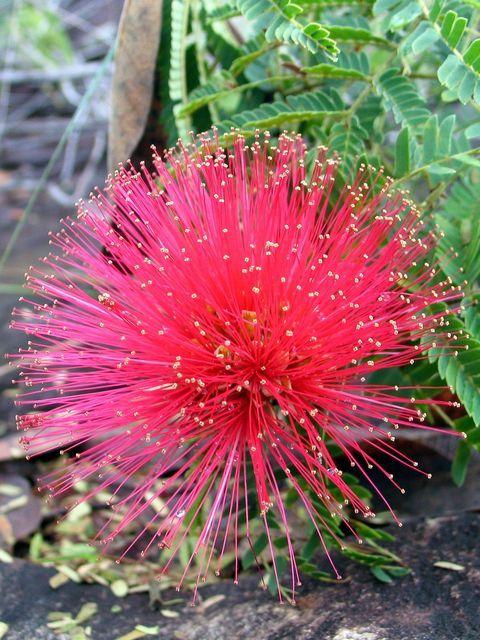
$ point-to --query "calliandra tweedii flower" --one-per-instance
(206, 329)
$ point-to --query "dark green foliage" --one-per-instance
(461, 368)
(282, 23)
(458, 221)
(369, 548)
(351, 65)
(402, 97)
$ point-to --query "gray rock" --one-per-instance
(432, 603)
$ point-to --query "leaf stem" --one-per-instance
(208, 99)
(444, 416)
(457, 156)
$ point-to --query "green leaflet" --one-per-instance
(431, 147)
(461, 80)
(458, 222)
(219, 85)
(433, 150)
(460, 463)
(401, 95)
(251, 50)
(225, 12)
(310, 106)
(403, 152)
(350, 65)
(177, 79)
(225, 86)
(167, 119)
(179, 20)
(279, 19)
(459, 363)
(420, 40)
(328, 4)
(356, 35)
(459, 71)
(348, 140)
(400, 13)
(250, 556)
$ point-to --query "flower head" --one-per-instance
(206, 329)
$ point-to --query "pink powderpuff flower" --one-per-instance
(205, 329)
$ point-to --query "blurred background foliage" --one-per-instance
(38, 36)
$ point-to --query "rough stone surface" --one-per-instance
(431, 604)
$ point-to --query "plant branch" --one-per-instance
(416, 172)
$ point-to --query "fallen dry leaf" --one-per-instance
(451, 566)
(133, 79)
(20, 510)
